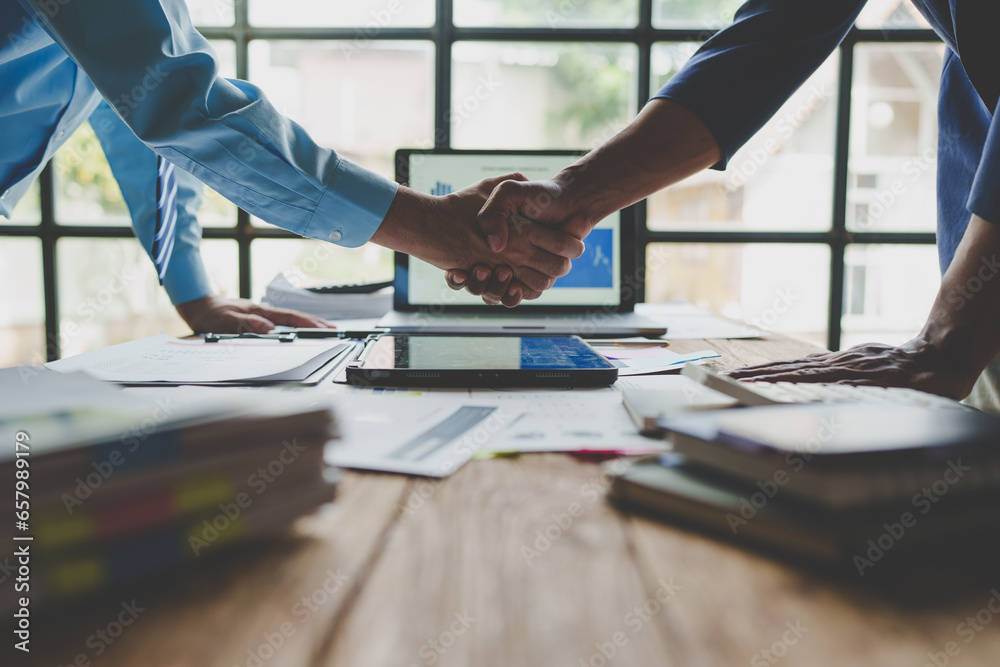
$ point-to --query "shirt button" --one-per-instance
(62, 133)
(335, 236)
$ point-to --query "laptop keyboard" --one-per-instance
(807, 392)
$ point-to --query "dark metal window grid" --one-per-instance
(444, 34)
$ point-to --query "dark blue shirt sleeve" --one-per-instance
(984, 200)
(741, 76)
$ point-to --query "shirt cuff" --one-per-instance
(186, 279)
(353, 206)
(984, 200)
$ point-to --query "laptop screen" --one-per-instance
(595, 280)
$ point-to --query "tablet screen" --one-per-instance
(482, 353)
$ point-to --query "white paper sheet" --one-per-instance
(424, 435)
(163, 358)
(686, 322)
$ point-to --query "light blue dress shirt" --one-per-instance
(58, 58)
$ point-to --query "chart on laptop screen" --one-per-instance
(596, 275)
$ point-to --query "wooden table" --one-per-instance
(488, 567)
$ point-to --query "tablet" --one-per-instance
(400, 360)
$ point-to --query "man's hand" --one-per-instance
(513, 205)
(443, 231)
(213, 314)
(916, 365)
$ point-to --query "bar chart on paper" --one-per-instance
(594, 268)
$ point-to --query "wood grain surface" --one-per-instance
(522, 561)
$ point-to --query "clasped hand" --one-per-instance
(537, 225)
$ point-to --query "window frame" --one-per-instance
(444, 34)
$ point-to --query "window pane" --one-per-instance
(893, 165)
(710, 15)
(22, 318)
(370, 16)
(782, 179)
(741, 282)
(211, 12)
(309, 262)
(551, 14)
(108, 291)
(28, 211)
(521, 95)
(86, 192)
(891, 15)
(888, 292)
(340, 97)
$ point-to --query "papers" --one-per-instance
(633, 358)
(577, 420)
(426, 435)
(685, 322)
(165, 359)
(282, 293)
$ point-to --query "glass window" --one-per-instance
(535, 95)
(744, 283)
(308, 263)
(780, 180)
(86, 191)
(28, 211)
(888, 292)
(212, 12)
(22, 318)
(893, 161)
(891, 15)
(708, 15)
(340, 96)
(552, 14)
(108, 294)
(370, 16)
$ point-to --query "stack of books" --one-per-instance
(841, 484)
(113, 485)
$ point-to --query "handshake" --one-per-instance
(503, 238)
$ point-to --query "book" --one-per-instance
(670, 486)
(846, 455)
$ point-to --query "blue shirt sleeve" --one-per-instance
(134, 167)
(161, 76)
(984, 200)
(740, 77)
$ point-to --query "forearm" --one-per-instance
(964, 323)
(665, 144)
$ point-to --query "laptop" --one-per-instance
(596, 299)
